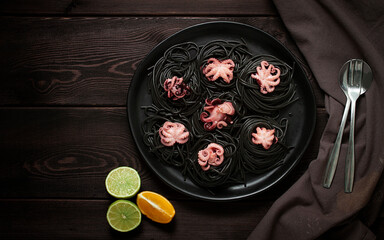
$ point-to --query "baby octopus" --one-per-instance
(212, 155)
(216, 69)
(265, 137)
(171, 133)
(266, 78)
(176, 88)
(217, 115)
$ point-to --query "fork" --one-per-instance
(353, 91)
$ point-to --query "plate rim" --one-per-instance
(251, 193)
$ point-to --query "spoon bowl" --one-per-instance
(345, 73)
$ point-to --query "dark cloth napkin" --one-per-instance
(328, 33)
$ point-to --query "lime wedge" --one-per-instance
(123, 182)
(123, 215)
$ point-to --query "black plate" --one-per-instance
(301, 114)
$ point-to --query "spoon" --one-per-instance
(346, 72)
(357, 84)
(334, 156)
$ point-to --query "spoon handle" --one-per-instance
(334, 156)
(350, 160)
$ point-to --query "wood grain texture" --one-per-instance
(65, 70)
(90, 61)
(143, 7)
(85, 219)
(68, 152)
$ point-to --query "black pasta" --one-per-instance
(222, 50)
(249, 89)
(252, 109)
(215, 176)
(175, 155)
(198, 125)
(256, 159)
(179, 61)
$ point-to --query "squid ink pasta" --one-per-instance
(214, 176)
(178, 67)
(204, 120)
(219, 51)
(175, 155)
(255, 158)
(260, 99)
(211, 110)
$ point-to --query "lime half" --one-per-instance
(123, 215)
(123, 182)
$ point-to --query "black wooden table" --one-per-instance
(65, 71)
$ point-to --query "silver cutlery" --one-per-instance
(357, 84)
(355, 77)
(334, 156)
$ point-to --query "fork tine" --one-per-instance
(359, 73)
(351, 72)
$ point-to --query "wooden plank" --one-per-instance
(68, 152)
(90, 61)
(139, 7)
(85, 219)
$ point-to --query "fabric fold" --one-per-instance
(328, 33)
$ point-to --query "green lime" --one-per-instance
(123, 215)
(123, 182)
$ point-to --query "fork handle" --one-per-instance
(334, 156)
(350, 160)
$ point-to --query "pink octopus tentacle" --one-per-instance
(176, 88)
(219, 160)
(212, 155)
(217, 114)
(221, 124)
(264, 77)
(264, 137)
(171, 133)
(204, 116)
(164, 134)
(167, 142)
(169, 83)
(203, 157)
(216, 69)
(209, 126)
